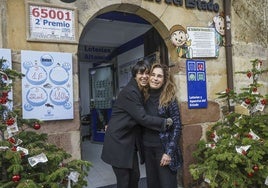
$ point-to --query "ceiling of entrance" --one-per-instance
(114, 29)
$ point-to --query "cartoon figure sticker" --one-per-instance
(218, 24)
(47, 88)
(180, 39)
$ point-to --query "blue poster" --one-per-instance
(196, 84)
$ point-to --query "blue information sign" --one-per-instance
(196, 83)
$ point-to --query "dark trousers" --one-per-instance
(128, 177)
(158, 176)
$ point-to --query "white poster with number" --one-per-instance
(50, 23)
(47, 87)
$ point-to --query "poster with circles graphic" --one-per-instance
(47, 87)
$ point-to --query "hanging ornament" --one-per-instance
(23, 150)
(12, 140)
(266, 181)
(252, 135)
(41, 158)
(242, 149)
(73, 176)
(255, 91)
(214, 136)
(16, 178)
(258, 67)
(250, 174)
(3, 100)
(13, 128)
(249, 74)
(36, 126)
(255, 168)
(10, 121)
(247, 101)
(14, 148)
(211, 145)
(263, 101)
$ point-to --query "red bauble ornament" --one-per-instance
(14, 148)
(3, 100)
(247, 101)
(12, 140)
(37, 126)
(244, 152)
(5, 94)
(16, 178)
(10, 121)
(263, 101)
(254, 89)
(249, 74)
(22, 155)
(212, 135)
(250, 174)
(228, 90)
(249, 136)
(255, 168)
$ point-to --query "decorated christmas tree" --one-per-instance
(27, 160)
(235, 151)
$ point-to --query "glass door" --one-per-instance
(102, 91)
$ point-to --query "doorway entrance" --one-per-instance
(108, 47)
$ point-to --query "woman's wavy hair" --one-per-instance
(169, 88)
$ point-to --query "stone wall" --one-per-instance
(249, 40)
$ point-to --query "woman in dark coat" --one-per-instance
(122, 137)
(162, 154)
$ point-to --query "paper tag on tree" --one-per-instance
(216, 137)
(211, 145)
(41, 158)
(253, 135)
(18, 142)
(260, 106)
(207, 180)
(24, 150)
(4, 147)
(74, 176)
(13, 128)
(266, 181)
(242, 149)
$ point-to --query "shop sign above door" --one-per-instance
(191, 4)
(95, 54)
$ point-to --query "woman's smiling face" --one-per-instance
(142, 78)
(156, 79)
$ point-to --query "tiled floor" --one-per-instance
(100, 174)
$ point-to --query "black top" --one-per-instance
(151, 137)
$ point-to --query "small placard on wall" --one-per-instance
(203, 41)
(51, 23)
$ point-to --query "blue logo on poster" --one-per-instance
(196, 83)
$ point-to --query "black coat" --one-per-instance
(123, 128)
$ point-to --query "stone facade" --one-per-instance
(249, 41)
